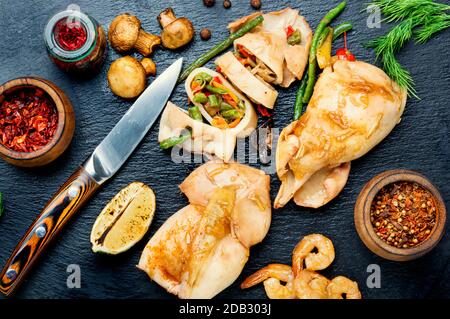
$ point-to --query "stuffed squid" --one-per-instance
(201, 250)
(355, 105)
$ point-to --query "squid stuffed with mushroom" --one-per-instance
(355, 105)
(201, 250)
(274, 53)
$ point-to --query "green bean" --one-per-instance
(194, 112)
(200, 98)
(231, 115)
(216, 50)
(172, 141)
(323, 36)
(213, 89)
(213, 100)
(203, 76)
(298, 108)
(225, 107)
(312, 54)
(340, 29)
(241, 105)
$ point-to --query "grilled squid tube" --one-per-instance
(256, 89)
(201, 249)
(355, 105)
(281, 42)
(220, 104)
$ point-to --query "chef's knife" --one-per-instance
(104, 162)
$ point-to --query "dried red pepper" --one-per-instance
(70, 36)
(28, 120)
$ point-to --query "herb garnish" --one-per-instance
(418, 19)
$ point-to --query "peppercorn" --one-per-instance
(256, 4)
(227, 4)
(209, 3)
(205, 34)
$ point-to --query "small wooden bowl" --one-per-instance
(64, 132)
(364, 226)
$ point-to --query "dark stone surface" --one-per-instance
(419, 142)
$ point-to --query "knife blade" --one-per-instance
(107, 158)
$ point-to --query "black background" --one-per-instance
(419, 142)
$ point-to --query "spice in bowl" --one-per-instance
(403, 214)
(28, 120)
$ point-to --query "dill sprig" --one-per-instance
(435, 25)
(398, 10)
(418, 20)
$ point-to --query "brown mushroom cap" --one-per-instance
(123, 32)
(127, 77)
(177, 33)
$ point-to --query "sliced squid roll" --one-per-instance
(262, 54)
(256, 89)
(247, 123)
(295, 57)
(205, 139)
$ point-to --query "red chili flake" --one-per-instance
(289, 31)
(70, 35)
(403, 214)
(28, 120)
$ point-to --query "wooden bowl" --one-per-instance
(64, 132)
(364, 226)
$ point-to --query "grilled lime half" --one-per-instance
(124, 220)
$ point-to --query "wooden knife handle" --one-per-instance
(64, 204)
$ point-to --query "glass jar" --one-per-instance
(75, 42)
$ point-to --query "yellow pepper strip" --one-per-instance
(324, 51)
(220, 86)
(219, 122)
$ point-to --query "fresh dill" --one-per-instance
(418, 20)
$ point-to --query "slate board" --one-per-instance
(419, 142)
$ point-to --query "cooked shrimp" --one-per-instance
(276, 290)
(343, 288)
(304, 254)
(310, 285)
(273, 275)
(277, 271)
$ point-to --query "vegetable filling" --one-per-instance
(255, 65)
(225, 107)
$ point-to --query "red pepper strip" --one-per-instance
(263, 111)
(289, 31)
(230, 100)
(244, 52)
(217, 79)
